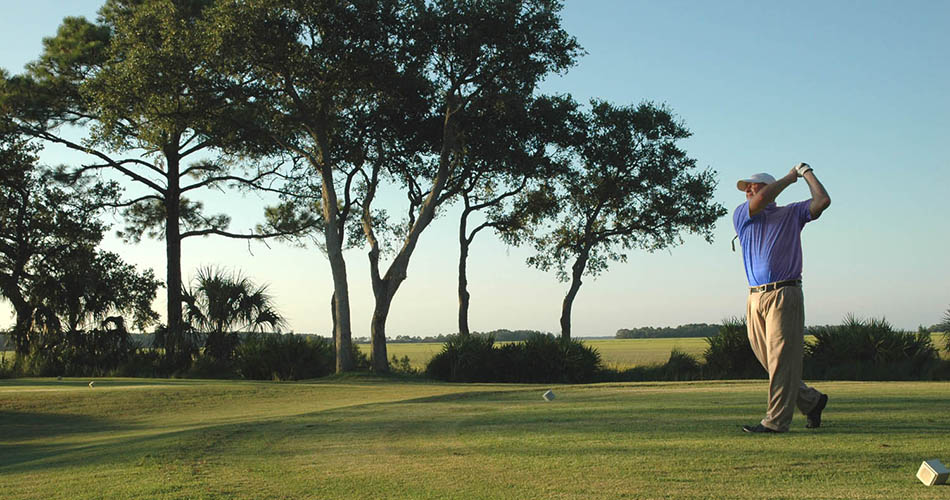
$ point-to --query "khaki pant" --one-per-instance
(776, 326)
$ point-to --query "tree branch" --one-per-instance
(500, 198)
(226, 234)
(205, 167)
(133, 202)
(211, 180)
(109, 161)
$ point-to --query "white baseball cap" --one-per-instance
(762, 178)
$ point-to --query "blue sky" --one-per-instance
(857, 89)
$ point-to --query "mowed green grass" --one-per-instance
(362, 437)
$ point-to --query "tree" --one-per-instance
(137, 79)
(510, 155)
(50, 269)
(945, 328)
(631, 186)
(333, 83)
(85, 286)
(222, 304)
(477, 53)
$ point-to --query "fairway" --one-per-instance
(364, 437)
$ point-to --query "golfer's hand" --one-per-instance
(792, 175)
(802, 168)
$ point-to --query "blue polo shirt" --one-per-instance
(771, 241)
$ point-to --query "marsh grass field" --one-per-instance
(358, 437)
(616, 353)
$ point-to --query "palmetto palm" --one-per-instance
(223, 304)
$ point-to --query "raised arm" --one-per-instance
(819, 197)
(767, 194)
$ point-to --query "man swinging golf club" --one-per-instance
(770, 237)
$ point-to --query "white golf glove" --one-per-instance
(801, 168)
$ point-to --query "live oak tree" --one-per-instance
(630, 186)
(333, 86)
(368, 93)
(478, 52)
(86, 286)
(50, 269)
(510, 155)
(136, 81)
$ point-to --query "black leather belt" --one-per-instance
(768, 287)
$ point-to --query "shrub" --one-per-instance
(540, 358)
(682, 366)
(546, 358)
(187, 348)
(536, 359)
(142, 363)
(869, 350)
(361, 361)
(209, 365)
(402, 366)
(274, 356)
(94, 353)
(729, 354)
(6, 366)
(465, 358)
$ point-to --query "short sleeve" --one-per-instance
(802, 211)
(740, 216)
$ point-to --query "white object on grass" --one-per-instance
(932, 472)
(548, 396)
(92, 384)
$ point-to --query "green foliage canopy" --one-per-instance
(50, 269)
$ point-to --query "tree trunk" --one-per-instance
(385, 288)
(333, 237)
(341, 311)
(464, 296)
(378, 332)
(333, 309)
(24, 324)
(341, 336)
(577, 272)
(175, 347)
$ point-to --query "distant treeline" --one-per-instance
(651, 332)
(502, 335)
(708, 330)
(140, 339)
